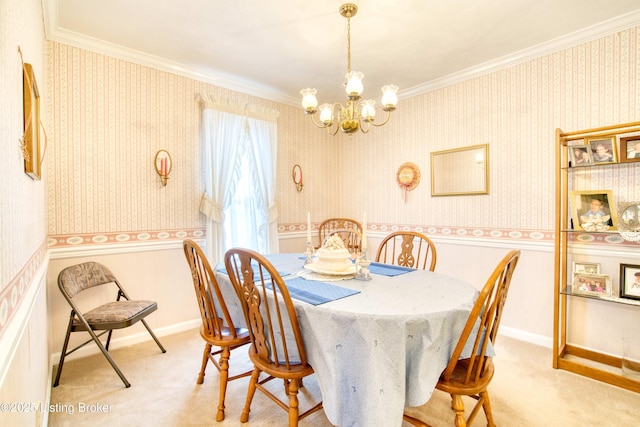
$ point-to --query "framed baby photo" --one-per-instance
(586, 267)
(630, 281)
(630, 149)
(596, 285)
(593, 211)
(603, 149)
(580, 155)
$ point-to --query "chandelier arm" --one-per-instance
(335, 130)
(385, 120)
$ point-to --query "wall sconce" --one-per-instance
(163, 165)
(297, 177)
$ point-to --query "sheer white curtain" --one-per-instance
(239, 154)
(263, 143)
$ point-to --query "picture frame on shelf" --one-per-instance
(630, 149)
(580, 155)
(593, 211)
(603, 149)
(630, 281)
(586, 267)
(596, 285)
(629, 216)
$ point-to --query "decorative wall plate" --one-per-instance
(408, 177)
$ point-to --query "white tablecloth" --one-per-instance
(382, 349)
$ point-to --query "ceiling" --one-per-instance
(275, 48)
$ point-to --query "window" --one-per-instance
(239, 154)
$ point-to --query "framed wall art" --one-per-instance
(630, 281)
(630, 149)
(31, 149)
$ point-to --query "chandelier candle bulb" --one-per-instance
(326, 114)
(309, 100)
(389, 96)
(369, 110)
(354, 84)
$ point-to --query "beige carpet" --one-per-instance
(525, 391)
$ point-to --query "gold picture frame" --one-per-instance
(593, 211)
(595, 285)
(31, 139)
(460, 171)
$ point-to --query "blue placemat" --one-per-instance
(314, 292)
(256, 272)
(388, 269)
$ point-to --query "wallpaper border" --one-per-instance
(121, 237)
(13, 295)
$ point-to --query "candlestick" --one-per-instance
(308, 227)
(364, 232)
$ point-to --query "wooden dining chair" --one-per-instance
(331, 224)
(471, 375)
(103, 319)
(217, 327)
(408, 249)
(277, 348)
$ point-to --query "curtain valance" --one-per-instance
(254, 111)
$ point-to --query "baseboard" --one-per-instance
(526, 336)
(138, 338)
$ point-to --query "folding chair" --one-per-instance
(118, 314)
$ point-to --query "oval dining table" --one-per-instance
(382, 344)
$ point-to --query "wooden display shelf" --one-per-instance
(596, 365)
(590, 363)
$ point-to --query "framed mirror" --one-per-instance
(460, 171)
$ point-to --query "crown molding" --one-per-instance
(584, 35)
(54, 33)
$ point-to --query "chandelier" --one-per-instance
(357, 114)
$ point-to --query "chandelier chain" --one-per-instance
(349, 43)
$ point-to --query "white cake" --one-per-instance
(333, 256)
